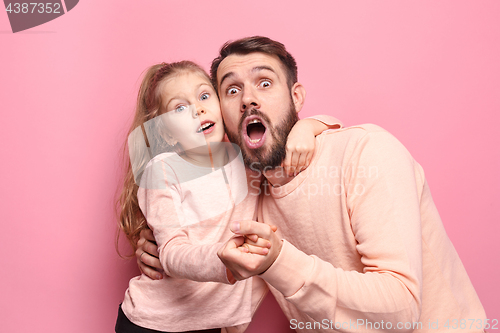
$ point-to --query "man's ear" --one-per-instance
(298, 96)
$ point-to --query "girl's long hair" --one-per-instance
(136, 155)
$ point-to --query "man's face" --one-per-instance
(257, 107)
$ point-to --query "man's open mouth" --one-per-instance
(254, 132)
(206, 127)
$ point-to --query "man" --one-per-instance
(360, 245)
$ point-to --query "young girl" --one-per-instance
(187, 185)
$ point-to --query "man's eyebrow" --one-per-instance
(264, 67)
(255, 69)
(226, 76)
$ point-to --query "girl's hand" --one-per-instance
(301, 142)
(241, 265)
(256, 245)
(300, 147)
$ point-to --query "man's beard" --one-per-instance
(265, 158)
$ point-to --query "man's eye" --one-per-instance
(265, 84)
(232, 91)
(204, 96)
(180, 108)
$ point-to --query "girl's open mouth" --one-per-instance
(254, 132)
(206, 127)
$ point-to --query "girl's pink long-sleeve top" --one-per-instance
(189, 209)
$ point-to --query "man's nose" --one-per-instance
(249, 99)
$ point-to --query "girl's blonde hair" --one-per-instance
(149, 105)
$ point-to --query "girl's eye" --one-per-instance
(265, 84)
(232, 91)
(204, 96)
(180, 108)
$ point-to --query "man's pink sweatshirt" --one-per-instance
(364, 247)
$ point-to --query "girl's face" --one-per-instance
(193, 116)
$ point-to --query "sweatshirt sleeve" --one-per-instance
(385, 219)
(331, 122)
(178, 256)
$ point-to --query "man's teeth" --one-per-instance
(254, 121)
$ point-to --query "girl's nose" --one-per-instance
(198, 111)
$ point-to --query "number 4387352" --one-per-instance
(34, 7)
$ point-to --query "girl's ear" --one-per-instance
(298, 93)
(170, 140)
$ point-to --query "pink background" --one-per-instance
(427, 71)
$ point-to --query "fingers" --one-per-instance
(244, 228)
(288, 160)
(235, 242)
(254, 243)
(147, 264)
(295, 162)
(147, 259)
(148, 235)
(243, 249)
(147, 243)
(291, 159)
(257, 246)
(147, 255)
(301, 163)
(151, 248)
(149, 271)
(298, 156)
(253, 238)
(256, 249)
(261, 242)
(309, 159)
(247, 227)
(231, 253)
(240, 258)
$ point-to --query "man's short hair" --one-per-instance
(253, 44)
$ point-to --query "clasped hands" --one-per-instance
(253, 249)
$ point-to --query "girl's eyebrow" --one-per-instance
(204, 84)
(170, 100)
(197, 87)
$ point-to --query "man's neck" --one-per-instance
(277, 177)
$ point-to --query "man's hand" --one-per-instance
(147, 255)
(242, 264)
